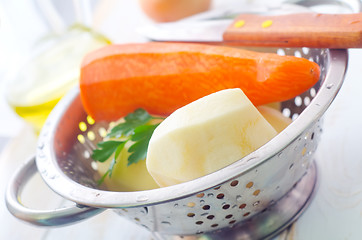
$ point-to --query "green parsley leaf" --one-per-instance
(105, 150)
(141, 137)
(137, 129)
(116, 154)
(132, 120)
(118, 150)
(144, 131)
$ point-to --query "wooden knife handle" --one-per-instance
(313, 30)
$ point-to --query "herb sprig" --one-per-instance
(137, 129)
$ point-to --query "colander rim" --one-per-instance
(73, 191)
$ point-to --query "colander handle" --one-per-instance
(56, 217)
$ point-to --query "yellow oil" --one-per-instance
(37, 114)
(38, 85)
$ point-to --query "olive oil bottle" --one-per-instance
(36, 114)
(38, 86)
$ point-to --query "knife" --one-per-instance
(302, 29)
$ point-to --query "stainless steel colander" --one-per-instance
(253, 198)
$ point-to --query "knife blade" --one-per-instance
(302, 29)
(210, 26)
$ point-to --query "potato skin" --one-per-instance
(172, 10)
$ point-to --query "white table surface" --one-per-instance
(335, 213)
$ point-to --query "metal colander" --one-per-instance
(255, 197)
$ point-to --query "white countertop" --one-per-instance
(335, 213)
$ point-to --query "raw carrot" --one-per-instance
(161, 77)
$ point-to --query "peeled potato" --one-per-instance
(275, 105)
(275, 118)
(205, 136)
(134, 177)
